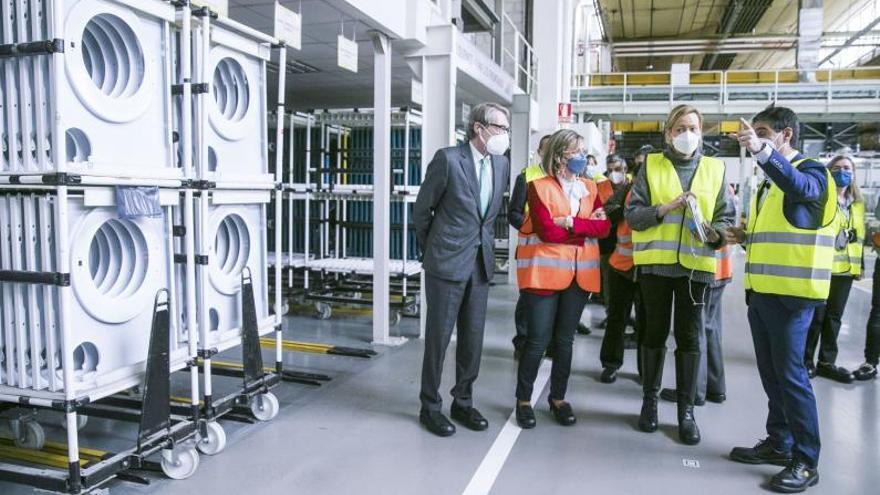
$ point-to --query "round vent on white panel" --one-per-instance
(107, 64)
(235, 99)
(115, 265)
(231, 253)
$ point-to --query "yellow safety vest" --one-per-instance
(849, 260)
(532, 172)
(784, 260)
(671, 242)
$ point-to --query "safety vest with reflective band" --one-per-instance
(849, 260)
(547, 266)
(531, 172)
(724, 267)
(671, 242)
(622, 257)
(784, 260)
(606, 190)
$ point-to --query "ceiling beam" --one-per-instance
(851, 40)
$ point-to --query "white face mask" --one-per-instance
(592, 171)
(616, 177)
(497, 144)
(686, 143)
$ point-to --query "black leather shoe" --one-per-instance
(525, 416)
(563, 413)
(762, 453)
(866, 371)
(811, 370)
(688, 431)
(437, 423)
(609, 375)
(795, 478)
(716, 398)
(832, 372)
(468, 417)
(652, 372)
(671, 395)
(583, 329)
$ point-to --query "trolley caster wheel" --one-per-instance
(180, 464)
(214, 440)
(264, 407)
(323, 311)
(394, 318)
(81, 421)
(411, 311)
(29, 435)
(502, 266)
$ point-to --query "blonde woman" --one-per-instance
(674, 266)
(848, 264)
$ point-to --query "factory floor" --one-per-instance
(359, 433)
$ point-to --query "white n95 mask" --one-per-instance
(686, 143)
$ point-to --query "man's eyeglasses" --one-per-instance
(498, 126)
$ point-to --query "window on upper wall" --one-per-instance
(854, 19)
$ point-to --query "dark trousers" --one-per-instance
(872, 329)
(779, 331)
(659, 296)
(622, 291)
(605, 270)
(450, 303)
(519, 319)
(710, 378)
(826, 322)
(551, 318)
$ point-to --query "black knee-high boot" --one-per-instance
(687, 365)
(652, 373)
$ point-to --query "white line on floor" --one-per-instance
(482, 481)
(864, 285)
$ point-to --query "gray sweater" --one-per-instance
(641, 215)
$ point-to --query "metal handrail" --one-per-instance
(778, 76)
(524, 67)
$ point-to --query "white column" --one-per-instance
(520, 134)
(435, 67)
(553, 27)
(381, 187)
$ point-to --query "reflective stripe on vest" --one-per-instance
(849, 260)
(532, 172)
(784, 260)
(671, 242)
(546, 266)
(622, 257)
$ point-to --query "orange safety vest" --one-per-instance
(546, 266)
(622, 257)
(606, 190)
(724, 270)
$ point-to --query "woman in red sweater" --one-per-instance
(557, 267)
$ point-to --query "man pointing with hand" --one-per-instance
(789, 253)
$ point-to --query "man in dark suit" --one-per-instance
(454, 218)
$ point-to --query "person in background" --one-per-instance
(621, 275)
(711, 385)
(557, 267)
(675, 267)
(868, 369)
(518, 217)
(789, 256)
(639, 158)
(607, 189)
(454, 219)
(592, 170)
(847, 267)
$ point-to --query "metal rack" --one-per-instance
(329, 195)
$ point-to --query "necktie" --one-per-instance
(485, 185)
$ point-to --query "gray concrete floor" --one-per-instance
(360, 434)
